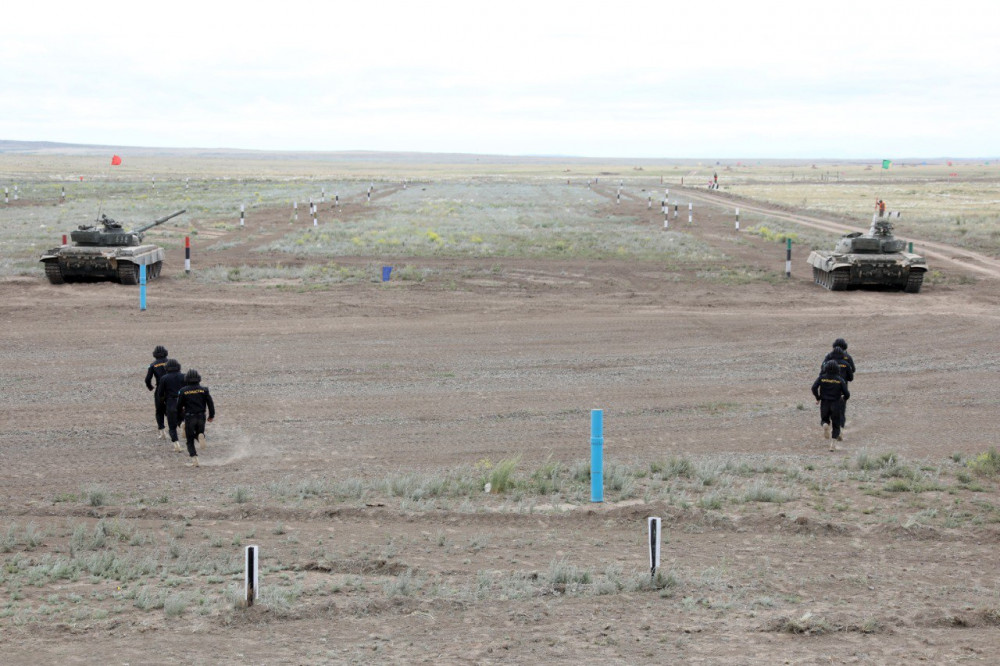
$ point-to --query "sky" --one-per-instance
(764, 79)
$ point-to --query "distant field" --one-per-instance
(488, 208)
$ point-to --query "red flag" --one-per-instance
(115, 160)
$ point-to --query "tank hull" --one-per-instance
(838, 271)
(120, 264)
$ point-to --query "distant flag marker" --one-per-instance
(115, 160)
(886, 164)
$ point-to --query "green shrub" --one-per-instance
(986, 463)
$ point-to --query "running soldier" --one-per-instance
(846, 363)
(831, 393)
(167, 391)
(156, 370)
(192, 402)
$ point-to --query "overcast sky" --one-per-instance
(842, 79)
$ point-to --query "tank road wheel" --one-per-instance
(839, 279)
(913, 282)
(128, 273)
(53, 271)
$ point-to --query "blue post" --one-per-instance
(142, 287)
(386, 273)
(596, 455)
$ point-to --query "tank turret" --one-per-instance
(109, 233)
(106, 250)
(876, 258)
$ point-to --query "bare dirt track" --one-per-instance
(363, 382)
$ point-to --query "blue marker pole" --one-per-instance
(597, 455)
(142, 287)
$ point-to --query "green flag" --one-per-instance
(886, 163)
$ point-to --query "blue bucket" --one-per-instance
(386, 272)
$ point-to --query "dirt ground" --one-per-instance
(360, 382)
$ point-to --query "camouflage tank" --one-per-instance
(105, 250)
(873, 259)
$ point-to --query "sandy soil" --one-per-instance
(365, 381)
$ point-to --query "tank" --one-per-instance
(873, 259)
(105, 250)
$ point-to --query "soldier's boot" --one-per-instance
(177, 446)
(201, 440)
(826, 431)
(193, 462)
(840, 437)
(182, 430)
(161, 434)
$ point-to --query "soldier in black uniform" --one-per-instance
(192, 401)
(167, 391)
(156, 370)
(831, 393)
(841, 343)
(846, 363)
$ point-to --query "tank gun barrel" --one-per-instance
(160, 221)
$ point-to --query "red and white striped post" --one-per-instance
(187, 254)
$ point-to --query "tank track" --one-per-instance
(54, 272)
(837, 280)
(913, 282)
(128, 273)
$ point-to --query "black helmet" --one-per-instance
(831, 367)
(838, 352)
(840, 342)
(160, 352)
(173, 365)
(192, 377)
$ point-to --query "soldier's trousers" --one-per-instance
(194, 425)
(832, 411)
(161, 409)
(171, 413)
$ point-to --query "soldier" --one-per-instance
(831, 393)
(167, 390)
(192, 401)
(842, 344)
(846, 363)
(156, 370)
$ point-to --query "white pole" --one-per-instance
(737, 219)
(241, 214)
(690, 213)
(295, 211)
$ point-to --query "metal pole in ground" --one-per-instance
(250, 570)
(788, 259)
(597, 455)
(187, 254)
(654, 545)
